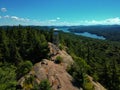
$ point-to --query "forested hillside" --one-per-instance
(110, 32)
(101, 59)
(21, 47)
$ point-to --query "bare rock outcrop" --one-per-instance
(55, 51)
(56, 73)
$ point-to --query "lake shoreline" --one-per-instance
(85, 34)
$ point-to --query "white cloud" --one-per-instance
(15, 18)
(58, 18)
(3, 9)
(57, 21)
(7, 16)
(53, 20)
(109, 21)
(113, 20)
(19, 19)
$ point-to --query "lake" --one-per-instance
(86, 34)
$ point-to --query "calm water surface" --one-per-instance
(86, 34)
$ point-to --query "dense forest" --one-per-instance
(20, 48)
(110, 32)
(23, 46)
(100, 59)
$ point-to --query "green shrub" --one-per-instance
(44, 85)
(58, 60)
(30, 83)
(61, 47)
(24, 68)
(87, 85)
(79, 71)
(7, 77)
(95, 77)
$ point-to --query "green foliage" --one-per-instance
(17, 45)
(23, 68)
(58, 59)
(44, 85)
(20, 43)
(28, 84)
(31, 84)
(95, 77)
(7, 77)
(109, 32)
(23, 43)
(87, 85)
(79, 71)
(61, 47)
(102, 56)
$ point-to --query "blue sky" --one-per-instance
(59, 12)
